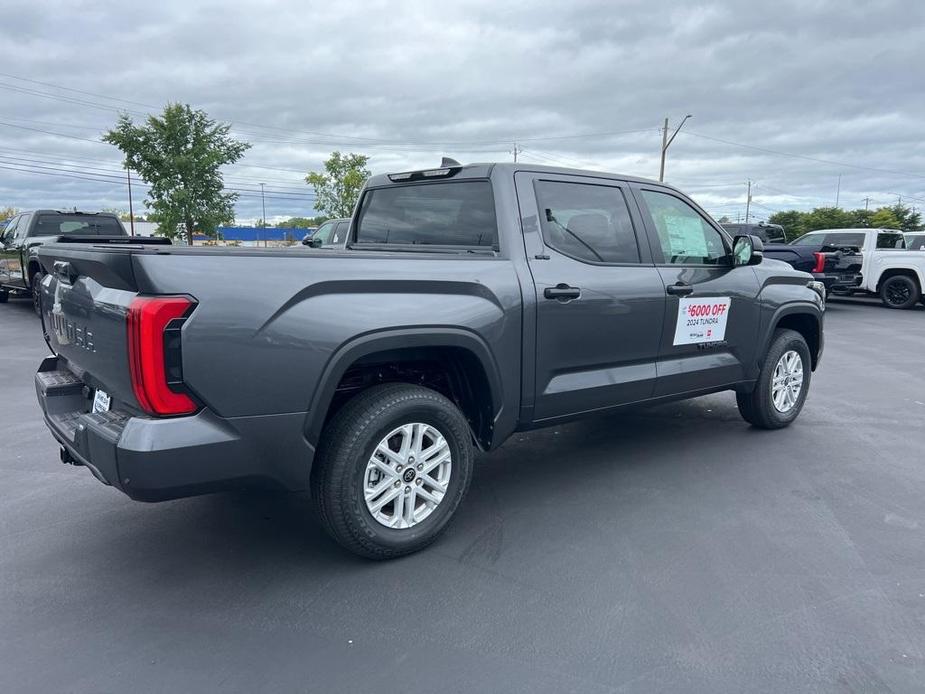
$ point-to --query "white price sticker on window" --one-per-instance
(702, 320)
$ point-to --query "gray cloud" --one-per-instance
(579, 83)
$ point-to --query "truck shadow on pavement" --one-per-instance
(237, 531)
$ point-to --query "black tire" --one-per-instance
(757, 407)
(4, 297)
(899, 292)
(348, 442)
(36, 284)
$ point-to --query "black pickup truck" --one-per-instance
(469, 302)
(837, 267)
(21, 273)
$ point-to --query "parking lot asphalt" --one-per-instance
(670, 549)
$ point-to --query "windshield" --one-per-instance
(447, 214)
(59, 224)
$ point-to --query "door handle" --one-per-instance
(562, 292)
(679, 289)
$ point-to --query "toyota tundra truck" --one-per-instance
(469, 302)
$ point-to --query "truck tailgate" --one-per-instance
(85, 299)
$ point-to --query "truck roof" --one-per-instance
(487, 169)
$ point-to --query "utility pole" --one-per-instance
(263, 220)
(837, 191)
(517, 150)
(748, 200)
(866, 203)
(131, 212)
(666, 143)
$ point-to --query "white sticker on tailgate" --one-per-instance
(701, 320)
(101, 401)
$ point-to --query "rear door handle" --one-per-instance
(562, 292)
(679, 289)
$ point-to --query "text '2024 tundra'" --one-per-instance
(470, 302)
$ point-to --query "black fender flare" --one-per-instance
(390, 339)
(789, 309)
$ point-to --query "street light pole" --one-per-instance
(131, 212)
(263, 219)
(666, 143)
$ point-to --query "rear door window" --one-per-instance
(916, 243)
(885, 240)
(457, 213)
(587, 222)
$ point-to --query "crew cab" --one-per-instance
(889, 269)
(470, 302)
(21, 272)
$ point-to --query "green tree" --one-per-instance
(180, 154)
(337, 190)
(7, 212)
(908, 219)
(303, 222)
(791, 220)
(884, 218)
(826, 218)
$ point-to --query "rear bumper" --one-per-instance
(838, 281)
(153, 459)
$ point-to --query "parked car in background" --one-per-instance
(915, 240)
(331, 234)
(21, 273)
(890, 270)
(838, 268)
(768, 233)
(472, 302)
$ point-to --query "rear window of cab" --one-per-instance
(450, 213)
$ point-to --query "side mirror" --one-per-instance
(315, 243)
(306, 240)
(747, 250)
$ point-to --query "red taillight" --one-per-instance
(147, 321)
(820, 262)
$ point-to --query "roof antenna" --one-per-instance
(447, 162)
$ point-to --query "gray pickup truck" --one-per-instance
(470, 302)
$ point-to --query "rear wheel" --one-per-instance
(36, 283)
(900, 292)
(392, 468)
(783, 383)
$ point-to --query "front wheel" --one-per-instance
(782, 384)
(900, 292)
(392, 467)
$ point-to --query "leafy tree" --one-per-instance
(337, 189)
(884, 218)
(826, 218)
(303, 222)
(180, 154)
(7, 212)
(791, 220)
(908, 219)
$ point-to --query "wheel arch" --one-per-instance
(905, 271)
(805, 319)
(466, 360)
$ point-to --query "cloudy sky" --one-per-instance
(792, 95)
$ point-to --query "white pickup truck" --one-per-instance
(889, 269)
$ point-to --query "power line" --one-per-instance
(802, 156)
